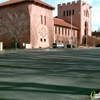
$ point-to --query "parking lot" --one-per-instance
(49, 74)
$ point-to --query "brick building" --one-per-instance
(70, 25)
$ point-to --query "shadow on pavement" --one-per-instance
(44, 88)
(7, 99)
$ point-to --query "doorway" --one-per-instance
(86, 32)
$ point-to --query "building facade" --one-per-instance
(62, 32)
(70, 25)
(80, 12)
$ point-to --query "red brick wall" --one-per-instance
(92, 41)
(34, 12)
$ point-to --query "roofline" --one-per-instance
(66, 26)
(9, 4)
(48, 6)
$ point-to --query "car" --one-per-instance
(98, 45)
(58, 45)
(69, 46)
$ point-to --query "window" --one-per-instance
(62, 31)
(59, 30)
(73, 33)
(67, 12)
(44, 40)
(87, 13)
(41, 19)
(65, 31)
(68, 32)
(55, 30)
(41, 39)
(45, 20)
(73, 12)
(85, 32)
(1, 21)
(64, 13)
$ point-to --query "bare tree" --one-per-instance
(0, 27)
(16, 26)
(57, 38)
(2, 30)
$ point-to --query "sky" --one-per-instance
(95, 9)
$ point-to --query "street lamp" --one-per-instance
(71, 33)
(71, 29)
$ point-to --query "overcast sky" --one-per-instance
(95, 9)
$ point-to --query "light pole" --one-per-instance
(71, 29)
(71, 33)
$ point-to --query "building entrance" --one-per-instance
(86, 32)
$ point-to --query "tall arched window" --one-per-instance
(84, 13)
(67, 12)
(41, 39)
(62, 31)
(73, 33)
(86, 32)
(55, 29)
(41, 19)
(73, 12)
(65, 31)
(64, 13)
(87, 13)
(45, 20)
(68, 32)
(86, 28)
(59, 30)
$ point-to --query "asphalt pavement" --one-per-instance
(49, 74)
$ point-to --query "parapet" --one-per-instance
(79, 2)
(73, 2)
(68, 3)
(59, 5)
(64, 4)
(90, 6)
(84, 3)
